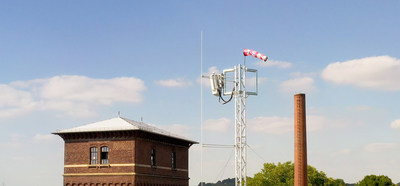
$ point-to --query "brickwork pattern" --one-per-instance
(129, 163)
(300, 148)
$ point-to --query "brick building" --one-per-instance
(123, 152)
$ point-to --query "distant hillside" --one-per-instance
(231, 182)
(226, 182)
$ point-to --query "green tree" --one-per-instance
(271, 174)
(283, 175)
(373, 180)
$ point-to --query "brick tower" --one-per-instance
(123, 152)
(300, 141)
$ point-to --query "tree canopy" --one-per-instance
(282, 174)
(376, 181)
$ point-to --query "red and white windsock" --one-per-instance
(247, 52)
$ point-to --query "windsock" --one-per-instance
(247, 52)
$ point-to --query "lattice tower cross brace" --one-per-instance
(240, 126)
(241, 94)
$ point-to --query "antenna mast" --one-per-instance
(240, 126)
(218, 88)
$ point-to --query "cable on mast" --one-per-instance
(218, 88)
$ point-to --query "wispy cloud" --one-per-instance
(379, 147)
(341, 152)
(274, 63)
(217, 125)
(73, 95)
(178, 129)
(271, 125)
(395, 124)
(297, 85)
(14, 141)
(381, 73)
(44, 138)
(177, 83)
(282, 125)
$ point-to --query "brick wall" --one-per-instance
(129, 163)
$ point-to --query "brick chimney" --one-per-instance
(300, 141)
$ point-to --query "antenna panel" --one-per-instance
(216, 84)
(229, 78)
(255, 91)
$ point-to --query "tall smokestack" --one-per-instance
(300, 141)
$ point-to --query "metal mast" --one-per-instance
(240, 126)
(218, 88)
(240, 93)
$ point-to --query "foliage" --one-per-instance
(226, 182)
(376, 181)
(283, 175)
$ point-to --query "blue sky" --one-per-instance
(69, 63)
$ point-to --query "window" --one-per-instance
(173, 159)
(104, 155)
(153, 157)
(93, 155)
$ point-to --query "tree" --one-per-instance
(376, 181)
(279, 175)
(226, 182)
(283, 175)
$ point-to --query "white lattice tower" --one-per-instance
(240, 126)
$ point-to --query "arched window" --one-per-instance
(153, 157)
(173, 160)
(93, 155)
(104, 155)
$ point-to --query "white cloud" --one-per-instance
(302, 74)
(270, 63)
(217, 125)
(14, 141)
(315, 123)
(14, 102)
(359, 108)
(395, 124)
(381, 72)
(281, 125)
(379, 147)
(341, 152)
(303, 85)
(103, 91)
(177, 129)
(178, 83)
(271, 125)
(44, 138)
(13, 97)
(74, 95)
